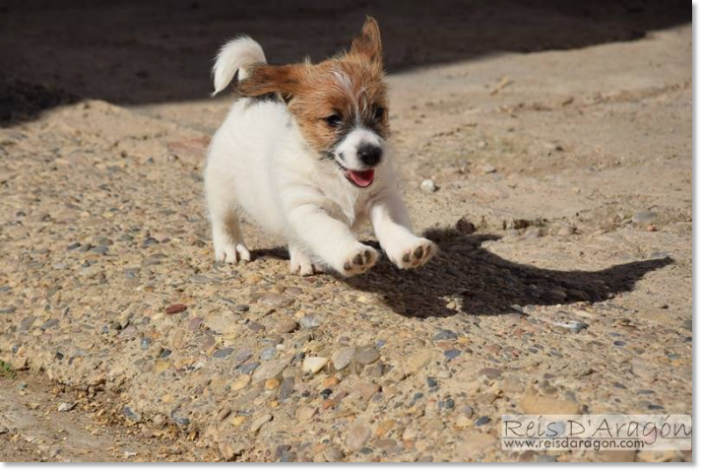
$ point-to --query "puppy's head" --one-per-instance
(339, 104)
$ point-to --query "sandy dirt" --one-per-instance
(559, 140)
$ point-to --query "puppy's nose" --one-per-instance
(369, 154)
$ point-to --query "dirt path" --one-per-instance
(563, 211)
(43, 421)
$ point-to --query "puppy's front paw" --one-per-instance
(360, 260)
(418, 252)
(231, 253)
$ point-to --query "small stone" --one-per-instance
(49, 324)
(161, 365)
(310, 321)
(451, 354)
(445, 335)
(482, 421)
(357, 436)
(249, 368)
(342, 358)
(240, 383)
(330, 382)
(488, 169)
(431, 382)
(268, 353)
(242, 356)
(276, 300)
(223, 353)
(367, 355)
(418, 361)
(490, 373)
(66, 406)
(271, 384)
(428, 185)
(176, 309)
(333, 455)
(271, 369)
(366, 390)
(178, 417)
(286, 325)
(314, 364)
(130, 414)
(259, 422)
(482, 144)
(195, 323)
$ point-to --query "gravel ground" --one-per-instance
(561, 199)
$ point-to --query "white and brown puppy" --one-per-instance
(304, 154)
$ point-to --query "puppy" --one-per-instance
(304, 154)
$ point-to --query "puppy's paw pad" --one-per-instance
(417, 254)
(360, 261)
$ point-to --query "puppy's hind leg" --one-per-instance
(301, 263)
(227, 236)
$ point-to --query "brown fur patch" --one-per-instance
(350, 86)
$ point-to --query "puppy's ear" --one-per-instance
(368, 43)
(265, 79)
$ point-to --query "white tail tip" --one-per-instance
(236, 55)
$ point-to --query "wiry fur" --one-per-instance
(281, 163)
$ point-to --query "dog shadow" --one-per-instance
(465, 278)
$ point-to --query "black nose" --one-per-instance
(369, 154)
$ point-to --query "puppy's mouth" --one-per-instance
(358, 178)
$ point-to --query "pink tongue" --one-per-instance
(361, 178)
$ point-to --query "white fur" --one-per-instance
(259, 165)
(235, 56)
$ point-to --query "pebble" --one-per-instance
(271, 384)
(176, 309)
(418, 361)
(66, 406)
(342, 358)
(357, 436)
(242, 355)
(488, 169)
(270, 369)
(286, 325)
(482, 421)
(428, 185)
(49, 324)
(178, 417)
(249, 368)
(259, 422)
(276, 300)
(490, 373)
(445, 335)
(314, 364)
(367, 355)
(268, 353)
(130, 414)
(310, 321)
(240, 383)
(451, 354)
(223, 353)
(333, 455)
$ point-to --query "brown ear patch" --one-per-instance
(368, 43)
(265, 79)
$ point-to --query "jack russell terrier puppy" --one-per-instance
(304, 154)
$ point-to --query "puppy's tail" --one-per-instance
(237, 55)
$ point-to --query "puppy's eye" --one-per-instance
(378, 113)
(334, 120)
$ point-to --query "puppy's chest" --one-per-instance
(349, 206)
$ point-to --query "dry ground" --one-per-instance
(560, 142)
